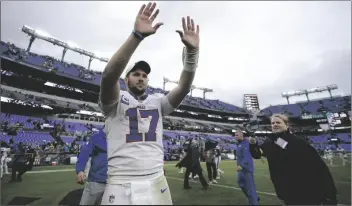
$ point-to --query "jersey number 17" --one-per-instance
(135, 135)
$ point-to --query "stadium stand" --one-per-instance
(49, 64)
(51, 105)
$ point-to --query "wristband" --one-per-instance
(190, 59)
(138, 35)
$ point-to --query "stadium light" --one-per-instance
(205, 90)
(35, 33)
(42, 33)
(166, 80)
(72, 44)
(193, 87)
(328, 88)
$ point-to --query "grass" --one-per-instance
(52, 183)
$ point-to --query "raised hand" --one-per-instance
(190, 34)
(252, 140)
(145, 18)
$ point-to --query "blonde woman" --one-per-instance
(299, 175)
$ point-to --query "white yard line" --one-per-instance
(49, 171)
(175, 178)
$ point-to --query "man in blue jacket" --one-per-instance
(96, 150)
(245, 168)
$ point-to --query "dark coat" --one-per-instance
(298, 173)
(191, 160)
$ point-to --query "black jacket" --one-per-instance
(298, 173)
(191, 160)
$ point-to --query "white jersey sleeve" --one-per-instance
(134, 132)
(108, 109)
(166, 107)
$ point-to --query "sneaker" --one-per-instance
(215, 182)
(218, 178)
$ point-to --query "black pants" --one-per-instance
(19, 167)
(212, 171)
(199, 172)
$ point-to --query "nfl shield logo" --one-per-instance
(111, 198)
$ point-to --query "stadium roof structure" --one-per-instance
(328, 88)
(35, 33)
(193, 87)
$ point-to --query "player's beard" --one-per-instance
(135, 90)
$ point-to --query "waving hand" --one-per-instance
(190, 34)
(145, 18)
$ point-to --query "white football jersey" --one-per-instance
(5, 149)
(328, 152)
(134, 131)
(341, 151)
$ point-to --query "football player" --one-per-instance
(134, 118)
(342, 155)
(3, 164)
(329, 155)
(218, 161)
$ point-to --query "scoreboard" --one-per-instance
(251, 102)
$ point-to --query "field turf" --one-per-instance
(48, 185)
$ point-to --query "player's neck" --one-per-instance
(140, 97)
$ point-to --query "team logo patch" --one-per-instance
(111, 198)
(125, 100)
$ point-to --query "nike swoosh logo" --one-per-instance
(163, 190)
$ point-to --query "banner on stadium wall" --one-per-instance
(313, 116)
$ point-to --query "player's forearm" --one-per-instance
(182, 89)
(186, 81)
(110, 85)
(190, 63)
(119, 60)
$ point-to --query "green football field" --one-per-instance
(51, 183)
